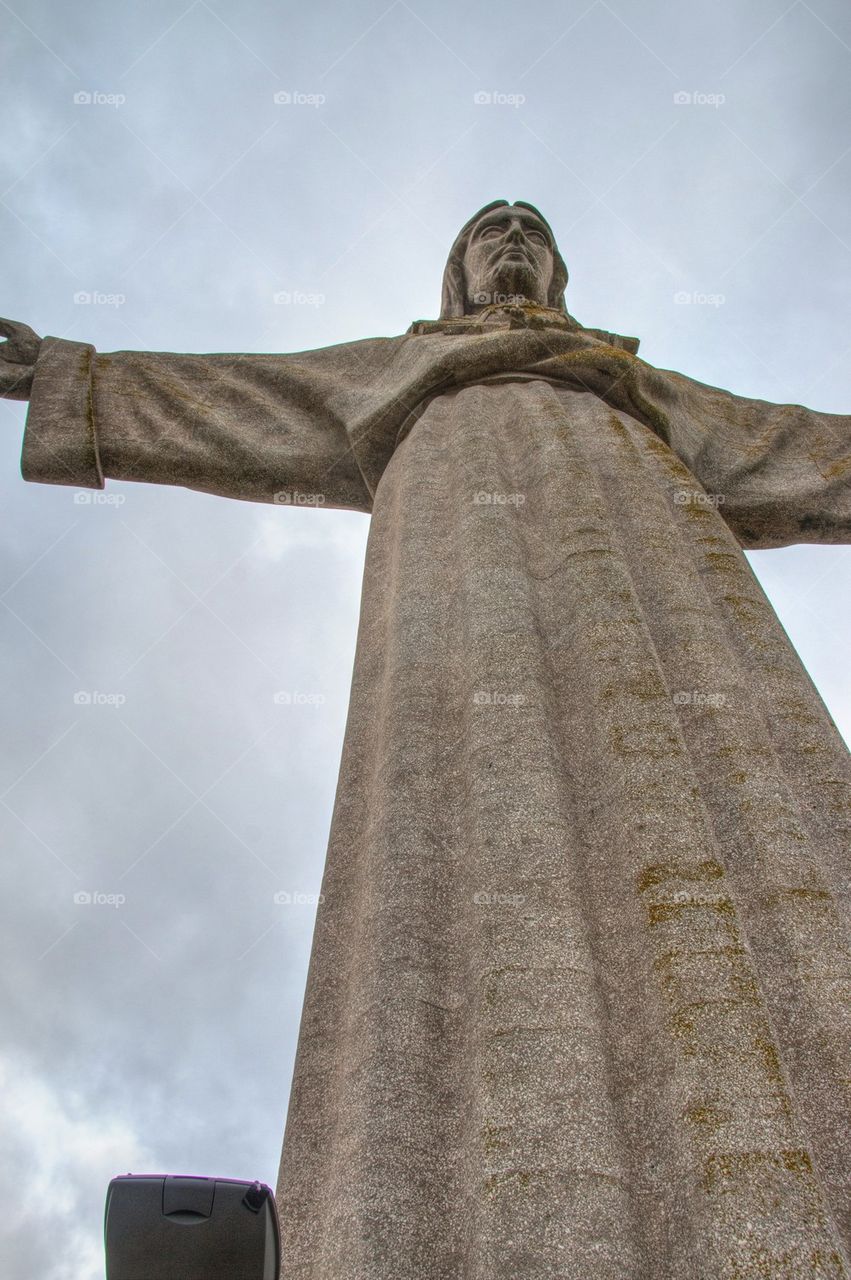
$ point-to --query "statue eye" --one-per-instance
(537, 235)
(488, 233)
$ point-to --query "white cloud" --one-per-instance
(57, 1161)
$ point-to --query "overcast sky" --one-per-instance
(157, 1032)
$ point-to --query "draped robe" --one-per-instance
(578, 999)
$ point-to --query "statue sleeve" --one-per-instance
(259, 427)
(780, 473)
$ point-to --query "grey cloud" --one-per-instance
(167, 1024)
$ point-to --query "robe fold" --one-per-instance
(578, 1000)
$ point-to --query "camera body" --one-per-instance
(160, 1227)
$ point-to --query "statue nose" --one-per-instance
(515, 238)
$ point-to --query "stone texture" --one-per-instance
(578, 998)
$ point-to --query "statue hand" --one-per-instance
(18, 355)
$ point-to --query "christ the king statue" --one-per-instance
(578, 1001)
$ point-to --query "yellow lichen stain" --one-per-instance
(662, 912)
(659, 872)
(797, 1162)
(800, 714)
(743, 604)
(723, 562)
(723, 1170)
(494, 1137)
(764, 1264)
(659, 741)
(767, 1051)
(706, 1119)
(675, 955)
(749, 616)
(682, 1022)
(682, 1028)
(661, 450)
(647, 687)
(801, 894)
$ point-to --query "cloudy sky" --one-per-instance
(156, 195)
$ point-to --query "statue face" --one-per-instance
(509, 259)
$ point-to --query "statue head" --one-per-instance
(506, 253)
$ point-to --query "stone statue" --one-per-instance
(578, 1001)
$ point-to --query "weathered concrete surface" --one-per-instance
(578, 1000)
(578, 1003)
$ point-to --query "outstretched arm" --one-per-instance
(266, 428)
(780, 473)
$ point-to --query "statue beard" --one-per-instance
(509, 283)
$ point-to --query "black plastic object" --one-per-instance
(158, 1227)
